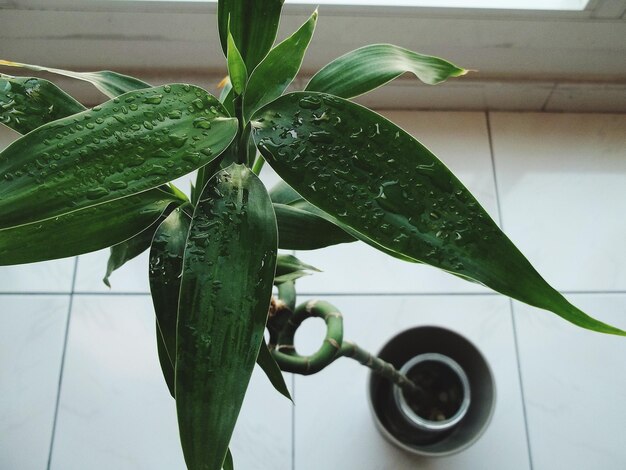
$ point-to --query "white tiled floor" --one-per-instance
(561, 182)
(334, 428)
(115, 410)
(31, 346)
(575, 386)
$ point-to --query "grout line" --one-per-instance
(513, 322)
(67, 330)
(521, 382)
(293, 422)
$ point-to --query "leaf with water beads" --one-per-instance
(27, 103)
(83, 230)
(127, 145)
(387, 189)
(228, 269)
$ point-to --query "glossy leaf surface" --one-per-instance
(27, 103)
(370, 67)
(272, 371)
(112, 84)
(82, 230)
(272, 77)
(302, 230)
(392, 192)
(229, 265)
(129, 144)
(129, 249)
(252, 24)
(166, 267)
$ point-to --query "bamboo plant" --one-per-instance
(80, 180)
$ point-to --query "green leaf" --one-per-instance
(129, 249)
(370, 67)
(301, 225)
(282, 193)
(27, 103)
(228, 461)
(252, 24)
(166, 268)
(290, 268)
(229, 265)
(82, 230)
(272, 77)
(272, 371)
(129, 144)
(236, 67)
(112, 84)
(286, 264)
(389, 190)
(302, 230)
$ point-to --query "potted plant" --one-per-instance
(80, 180)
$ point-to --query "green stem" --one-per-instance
(286, 356)
(377, 365)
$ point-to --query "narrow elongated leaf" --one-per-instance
(290, 268)
(302, 226)
(370, 67)
(282, 193)
(302, 230)
(388, 189)
(129, 144)
(82, 230)
(112, 84)
(27, 103)
(166, 267)
(286, 264)
(272, 77)
(228, 461)
(236, 67)
(229, 265)
(272, 371)
(252, 24)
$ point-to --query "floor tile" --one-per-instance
(334, 428)
(49, 276)
(115, 411)
(574, 385)
(562, 184)
(31, 347)
(358, 268)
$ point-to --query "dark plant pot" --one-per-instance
(456, 398)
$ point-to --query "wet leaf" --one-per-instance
(83, 230)
(386, 188)
(27, 103)
(166, 267)
(229, 265)
(130, 144)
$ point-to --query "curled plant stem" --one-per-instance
(284, 322)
